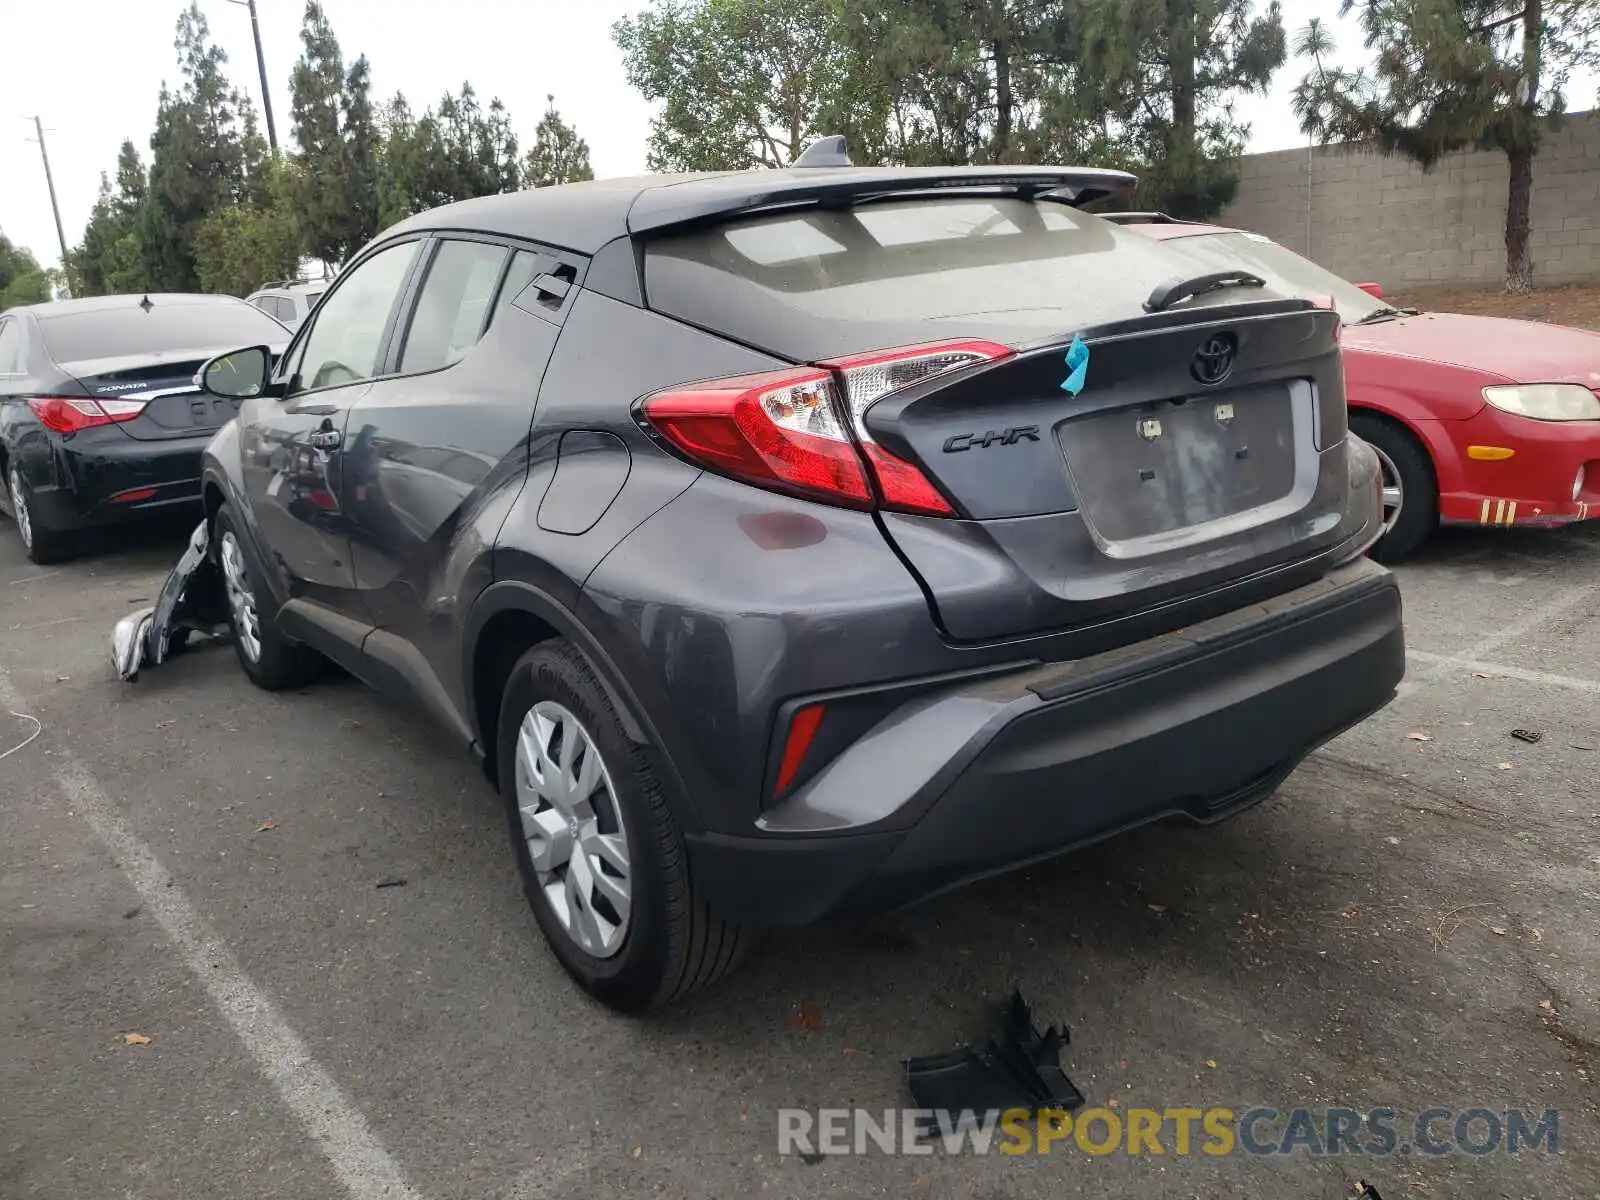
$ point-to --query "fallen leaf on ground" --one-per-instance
(1113, 1103)
(1212, 1063)
(135, 1039)
(1417, 735)
(805, 1018)
(1502, 766)
(266, 825)
(1497, 930)
(1548, 1005)
(636, 1151)
(1158, 909)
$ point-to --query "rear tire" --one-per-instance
(42, 544)
(666, 943)
(272, 662)
(1403, 458)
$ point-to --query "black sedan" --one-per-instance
(100, 419)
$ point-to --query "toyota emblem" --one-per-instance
(1213, 361)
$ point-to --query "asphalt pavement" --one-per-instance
(1411, 923)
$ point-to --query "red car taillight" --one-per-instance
(801, 430)
(71, 414)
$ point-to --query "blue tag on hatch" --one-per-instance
(1077, 366)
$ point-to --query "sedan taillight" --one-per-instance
(72, 414)
(801, 430)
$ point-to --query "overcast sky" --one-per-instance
(92, 69)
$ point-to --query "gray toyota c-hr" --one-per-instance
(797, 544)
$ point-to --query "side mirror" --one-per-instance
(237, 376)
(1374, 290)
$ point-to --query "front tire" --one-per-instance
(601, 855)
(42, 544)
(1409, 484)
(272, 662)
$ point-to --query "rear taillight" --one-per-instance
(71, 414)
(801, 430)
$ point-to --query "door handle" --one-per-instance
(324, 439)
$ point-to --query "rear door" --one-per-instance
(1098, 458)
(148, 353)
(432, 443)
(292, 447)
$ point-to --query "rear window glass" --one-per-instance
(814, 283)
(112, 333)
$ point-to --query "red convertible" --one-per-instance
(1476, 420)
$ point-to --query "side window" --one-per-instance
(524, 266)
(346, 338)
(453, 305)
(10, 347)
(286, 310)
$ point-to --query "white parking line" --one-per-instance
(337, 1126)
(1500, 669)
(1480, 650)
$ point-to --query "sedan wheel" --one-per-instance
(19, 508)
(1393, 490)
(574, 828)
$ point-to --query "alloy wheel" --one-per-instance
(19, 508)
(574, 829)
(241, 600)
(1393, 495)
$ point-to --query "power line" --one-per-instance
(50, 182)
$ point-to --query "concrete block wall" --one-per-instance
(1368, 217)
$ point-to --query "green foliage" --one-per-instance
(333, 129)
(741, 83)
(1453, 74)
(558, 155)
(1168, 73)
(460, 151)
(239, 248)
(22, 279)
(201, 157)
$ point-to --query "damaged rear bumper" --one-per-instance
(190, 600)
(991, 775)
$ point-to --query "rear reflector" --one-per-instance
(71, 414)
(801, 430)
(133, 495)
(802, 732)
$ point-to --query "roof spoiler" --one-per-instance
(823, 177)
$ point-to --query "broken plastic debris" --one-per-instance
(1021, 1068)
(191, 600)
(1527, 735)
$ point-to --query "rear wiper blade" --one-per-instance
(1179, 288)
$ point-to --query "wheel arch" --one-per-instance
(507, 620)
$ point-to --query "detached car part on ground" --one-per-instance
(101, 422)
(1476, 420)
(797, 544)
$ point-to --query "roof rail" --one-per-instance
(826, 152)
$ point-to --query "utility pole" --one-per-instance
(261, 66)
(49, 180)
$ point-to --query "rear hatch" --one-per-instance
(145, 360)
(1093, 457)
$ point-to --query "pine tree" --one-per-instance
(1453, 74)
(558, 155)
